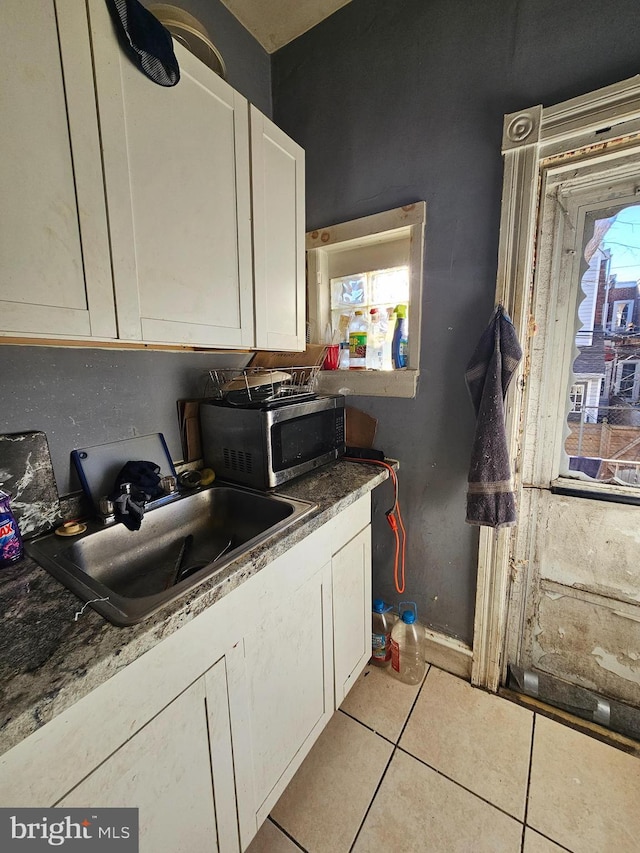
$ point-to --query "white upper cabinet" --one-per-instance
(134, 207)
(55, 274)
(277, 184)
(176, 164)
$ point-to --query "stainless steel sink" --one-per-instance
(178, 546)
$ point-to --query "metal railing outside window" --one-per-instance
(604, 443)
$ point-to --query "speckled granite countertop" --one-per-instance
(51, 658)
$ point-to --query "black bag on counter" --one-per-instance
(136, 484)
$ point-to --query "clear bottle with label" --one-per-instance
(387, 326)
(358, 328)
(408, 646)
(11, 549)
(382, 621)
(375, 340)
(343, 363)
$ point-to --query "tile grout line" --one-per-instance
(528, 789)
(375, 793)
(413, 704)
(460, 785)
(365, 726)
(552, 840)
(393, 752)
(375, 731)
(526, 807)
(288, 834)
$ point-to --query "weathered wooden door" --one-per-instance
(574, 600)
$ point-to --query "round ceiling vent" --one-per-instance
(191, 34)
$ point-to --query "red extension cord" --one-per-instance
(394, 517)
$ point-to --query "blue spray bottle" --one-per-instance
(400, 342)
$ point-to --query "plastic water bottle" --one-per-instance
(374, 341)
(10, 540)
(407, 646)
(400, 343)
(358, 329)
(343, 363)
(382, 622)
(387, 327)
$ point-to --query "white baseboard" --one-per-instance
(449, 654)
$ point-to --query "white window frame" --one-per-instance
(375, 237)
(628, 303)
(570, 192)
(635, 388)
(578, 390)
(605, 123)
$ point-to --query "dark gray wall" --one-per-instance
(398, 100)
(81, 397)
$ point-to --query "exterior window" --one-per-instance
(371, 262)
(381, 289)
(622, 316)
(604, 397)
(577, 398)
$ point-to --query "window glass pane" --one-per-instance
(390, 286)
(604, 414)
(381, 289)
(349, 291)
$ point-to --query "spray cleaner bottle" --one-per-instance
(11, 549)
(400, 343)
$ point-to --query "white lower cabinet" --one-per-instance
(314, 632)
(204, 732)
(165, 770)
(286, 690)
(351, 595)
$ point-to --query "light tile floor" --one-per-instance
(446, 768)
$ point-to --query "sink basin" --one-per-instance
(178, 546)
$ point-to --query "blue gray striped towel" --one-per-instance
(146, 41)
(490, 497)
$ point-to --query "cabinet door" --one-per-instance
(277, 184)
(55, 272)
(176, 164)
(165, 771)
(289, 691)
(351, 582)
(222, 772)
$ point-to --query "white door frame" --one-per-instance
(606, 119)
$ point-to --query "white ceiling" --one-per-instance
(276, 22)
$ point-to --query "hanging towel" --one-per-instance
(148, 43)
(490, 497)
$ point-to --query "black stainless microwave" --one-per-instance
(262, 446)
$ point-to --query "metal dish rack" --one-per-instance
(261, 384)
